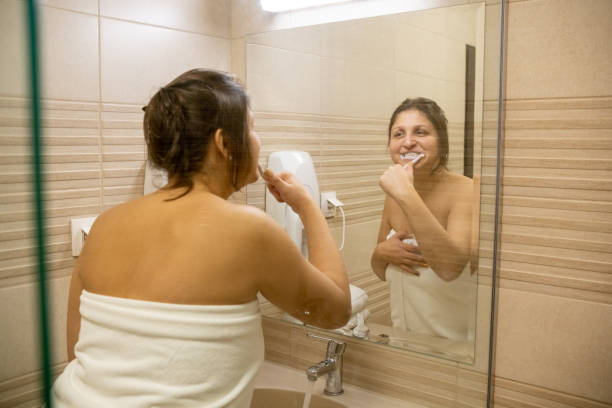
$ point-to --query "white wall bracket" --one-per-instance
(329, 203)
(79, 228)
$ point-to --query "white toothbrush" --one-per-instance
(416, 159)
(419, 157)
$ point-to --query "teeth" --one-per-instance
(408, 156)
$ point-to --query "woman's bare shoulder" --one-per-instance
(251, 218)
(244, 211)
(118, 213)
(459, 178)
(260, 233)
(458, 183)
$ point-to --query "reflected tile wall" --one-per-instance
(281, 80)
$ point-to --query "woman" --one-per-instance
(163, 304)
(424, 237)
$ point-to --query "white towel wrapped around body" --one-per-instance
(134, 353)
(426, 304)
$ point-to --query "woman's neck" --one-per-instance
(211, 184)
(426, 182)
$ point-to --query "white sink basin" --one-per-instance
(280, 386)
(280, 398)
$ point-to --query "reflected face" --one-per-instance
(255, 146)
(412, 133)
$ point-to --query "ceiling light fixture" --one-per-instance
(276, 6)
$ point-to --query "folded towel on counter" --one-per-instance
(356, 325)
(359, 299)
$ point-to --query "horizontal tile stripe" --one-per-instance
(516, 394)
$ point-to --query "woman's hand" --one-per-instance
(286, 188)
(398, 181)
(404, 256)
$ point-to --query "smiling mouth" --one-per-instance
(413, 157)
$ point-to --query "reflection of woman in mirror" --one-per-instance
(424, 238)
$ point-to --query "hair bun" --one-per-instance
(182, 117)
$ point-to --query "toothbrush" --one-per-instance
(416, 159)
(419, 157)
(261, 171)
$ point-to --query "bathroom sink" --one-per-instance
(279, 398)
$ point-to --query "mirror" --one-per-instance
(330, 89)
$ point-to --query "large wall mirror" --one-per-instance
(330, 89)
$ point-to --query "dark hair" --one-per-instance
(182, 117)
(435, 115)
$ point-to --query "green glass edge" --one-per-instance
(39, 208)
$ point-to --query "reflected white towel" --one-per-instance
(429, 305)
(134, 353)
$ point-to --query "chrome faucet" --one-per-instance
(332, 366)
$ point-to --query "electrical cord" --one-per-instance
(343, 227)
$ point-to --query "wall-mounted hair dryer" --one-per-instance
(301, 166)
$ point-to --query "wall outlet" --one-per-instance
(329, 210)
(79, 228)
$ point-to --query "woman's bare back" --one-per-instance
(193, 250)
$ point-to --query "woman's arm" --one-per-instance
(393, 250)
(315, 291)
(447, 250)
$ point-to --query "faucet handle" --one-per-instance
(334, 347)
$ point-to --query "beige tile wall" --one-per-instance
(554, 306)
(98, 69)
(555, 300)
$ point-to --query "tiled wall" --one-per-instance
(553, 347)
(101, 61)
(555, 300)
